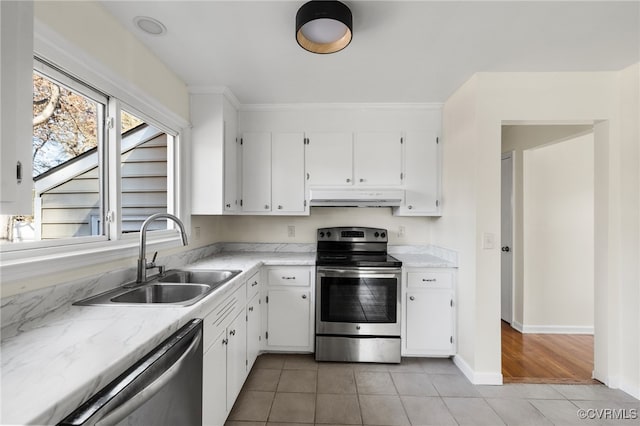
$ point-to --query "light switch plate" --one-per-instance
(291, 231)
(488, 241)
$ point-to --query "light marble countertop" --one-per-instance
(58, 360)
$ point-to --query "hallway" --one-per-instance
(546, 358)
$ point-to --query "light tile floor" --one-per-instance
(294, 390)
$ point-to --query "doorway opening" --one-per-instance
(547, 258)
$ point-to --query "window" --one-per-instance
(74, 189)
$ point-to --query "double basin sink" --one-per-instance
(180, 287)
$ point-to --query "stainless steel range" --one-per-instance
(357, 296)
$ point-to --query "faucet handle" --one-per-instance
(155, 255)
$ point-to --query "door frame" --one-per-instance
(508, 155)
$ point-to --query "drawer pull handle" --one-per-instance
(412, 298)
(429, 280)
(255, 283)
(250, 308)
(288, 278)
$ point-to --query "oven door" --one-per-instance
(358, 301)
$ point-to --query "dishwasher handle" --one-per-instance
(145, 394)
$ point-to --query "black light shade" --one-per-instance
(324, 26)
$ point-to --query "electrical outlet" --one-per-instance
(401, 232)
(196, 233)
(291, 231)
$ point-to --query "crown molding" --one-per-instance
(216, 90)
(340, 106)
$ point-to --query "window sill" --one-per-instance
(26, 264)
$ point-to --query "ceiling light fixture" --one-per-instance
(150, 26)
(324, 26)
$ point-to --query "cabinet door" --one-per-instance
(16, 109)
(287, 172)
(429, 321)
(288, 318)
(422, 173)
(378, 158)
(329, 159)
(231, 167)
(214, 383)
(256, 172)
(253, 330)
(236, 357)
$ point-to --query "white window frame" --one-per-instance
(28, 260)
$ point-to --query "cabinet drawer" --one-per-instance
(253, 285)
(429, 279)
(289, 276)
(221, 316)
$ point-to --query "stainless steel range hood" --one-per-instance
(351, 197)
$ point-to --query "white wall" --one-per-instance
(472, 173)
(629, 260)
(558, 237)
(262, 229)
(92, 30)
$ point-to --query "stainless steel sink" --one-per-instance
(163, 293)
(197, 276)
(181, 287)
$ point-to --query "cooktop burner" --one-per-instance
(354, 247)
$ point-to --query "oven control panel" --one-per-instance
(352, 234)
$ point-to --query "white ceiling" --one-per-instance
(413, 51)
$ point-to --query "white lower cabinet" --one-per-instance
(290, 309)
(254, 319)
(225, 357)
(214, 383)
(429, 312)
(236, 357)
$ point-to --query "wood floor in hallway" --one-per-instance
(546, 358)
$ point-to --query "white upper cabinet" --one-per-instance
(422, 174)
(214, 156)
(273, 179)
(256, 172)
(287, 172)
(378, 158)
(16, 52)
(329, 159)
(231, 167)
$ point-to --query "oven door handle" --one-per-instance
(378, 273)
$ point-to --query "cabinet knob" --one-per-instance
(348, 180)
(255, 283)
(409, 206)
(225, 341)
(228, 206)
(232, 332)
(250, 308)
(304, 296)
(361, 180)
(279, 207)
(412, 298)
(266, 206)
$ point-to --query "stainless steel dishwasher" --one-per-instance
(163, 388)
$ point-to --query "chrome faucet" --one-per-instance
(143, 265)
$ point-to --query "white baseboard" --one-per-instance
(552, 329)
(630, 388)
(477, 378)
